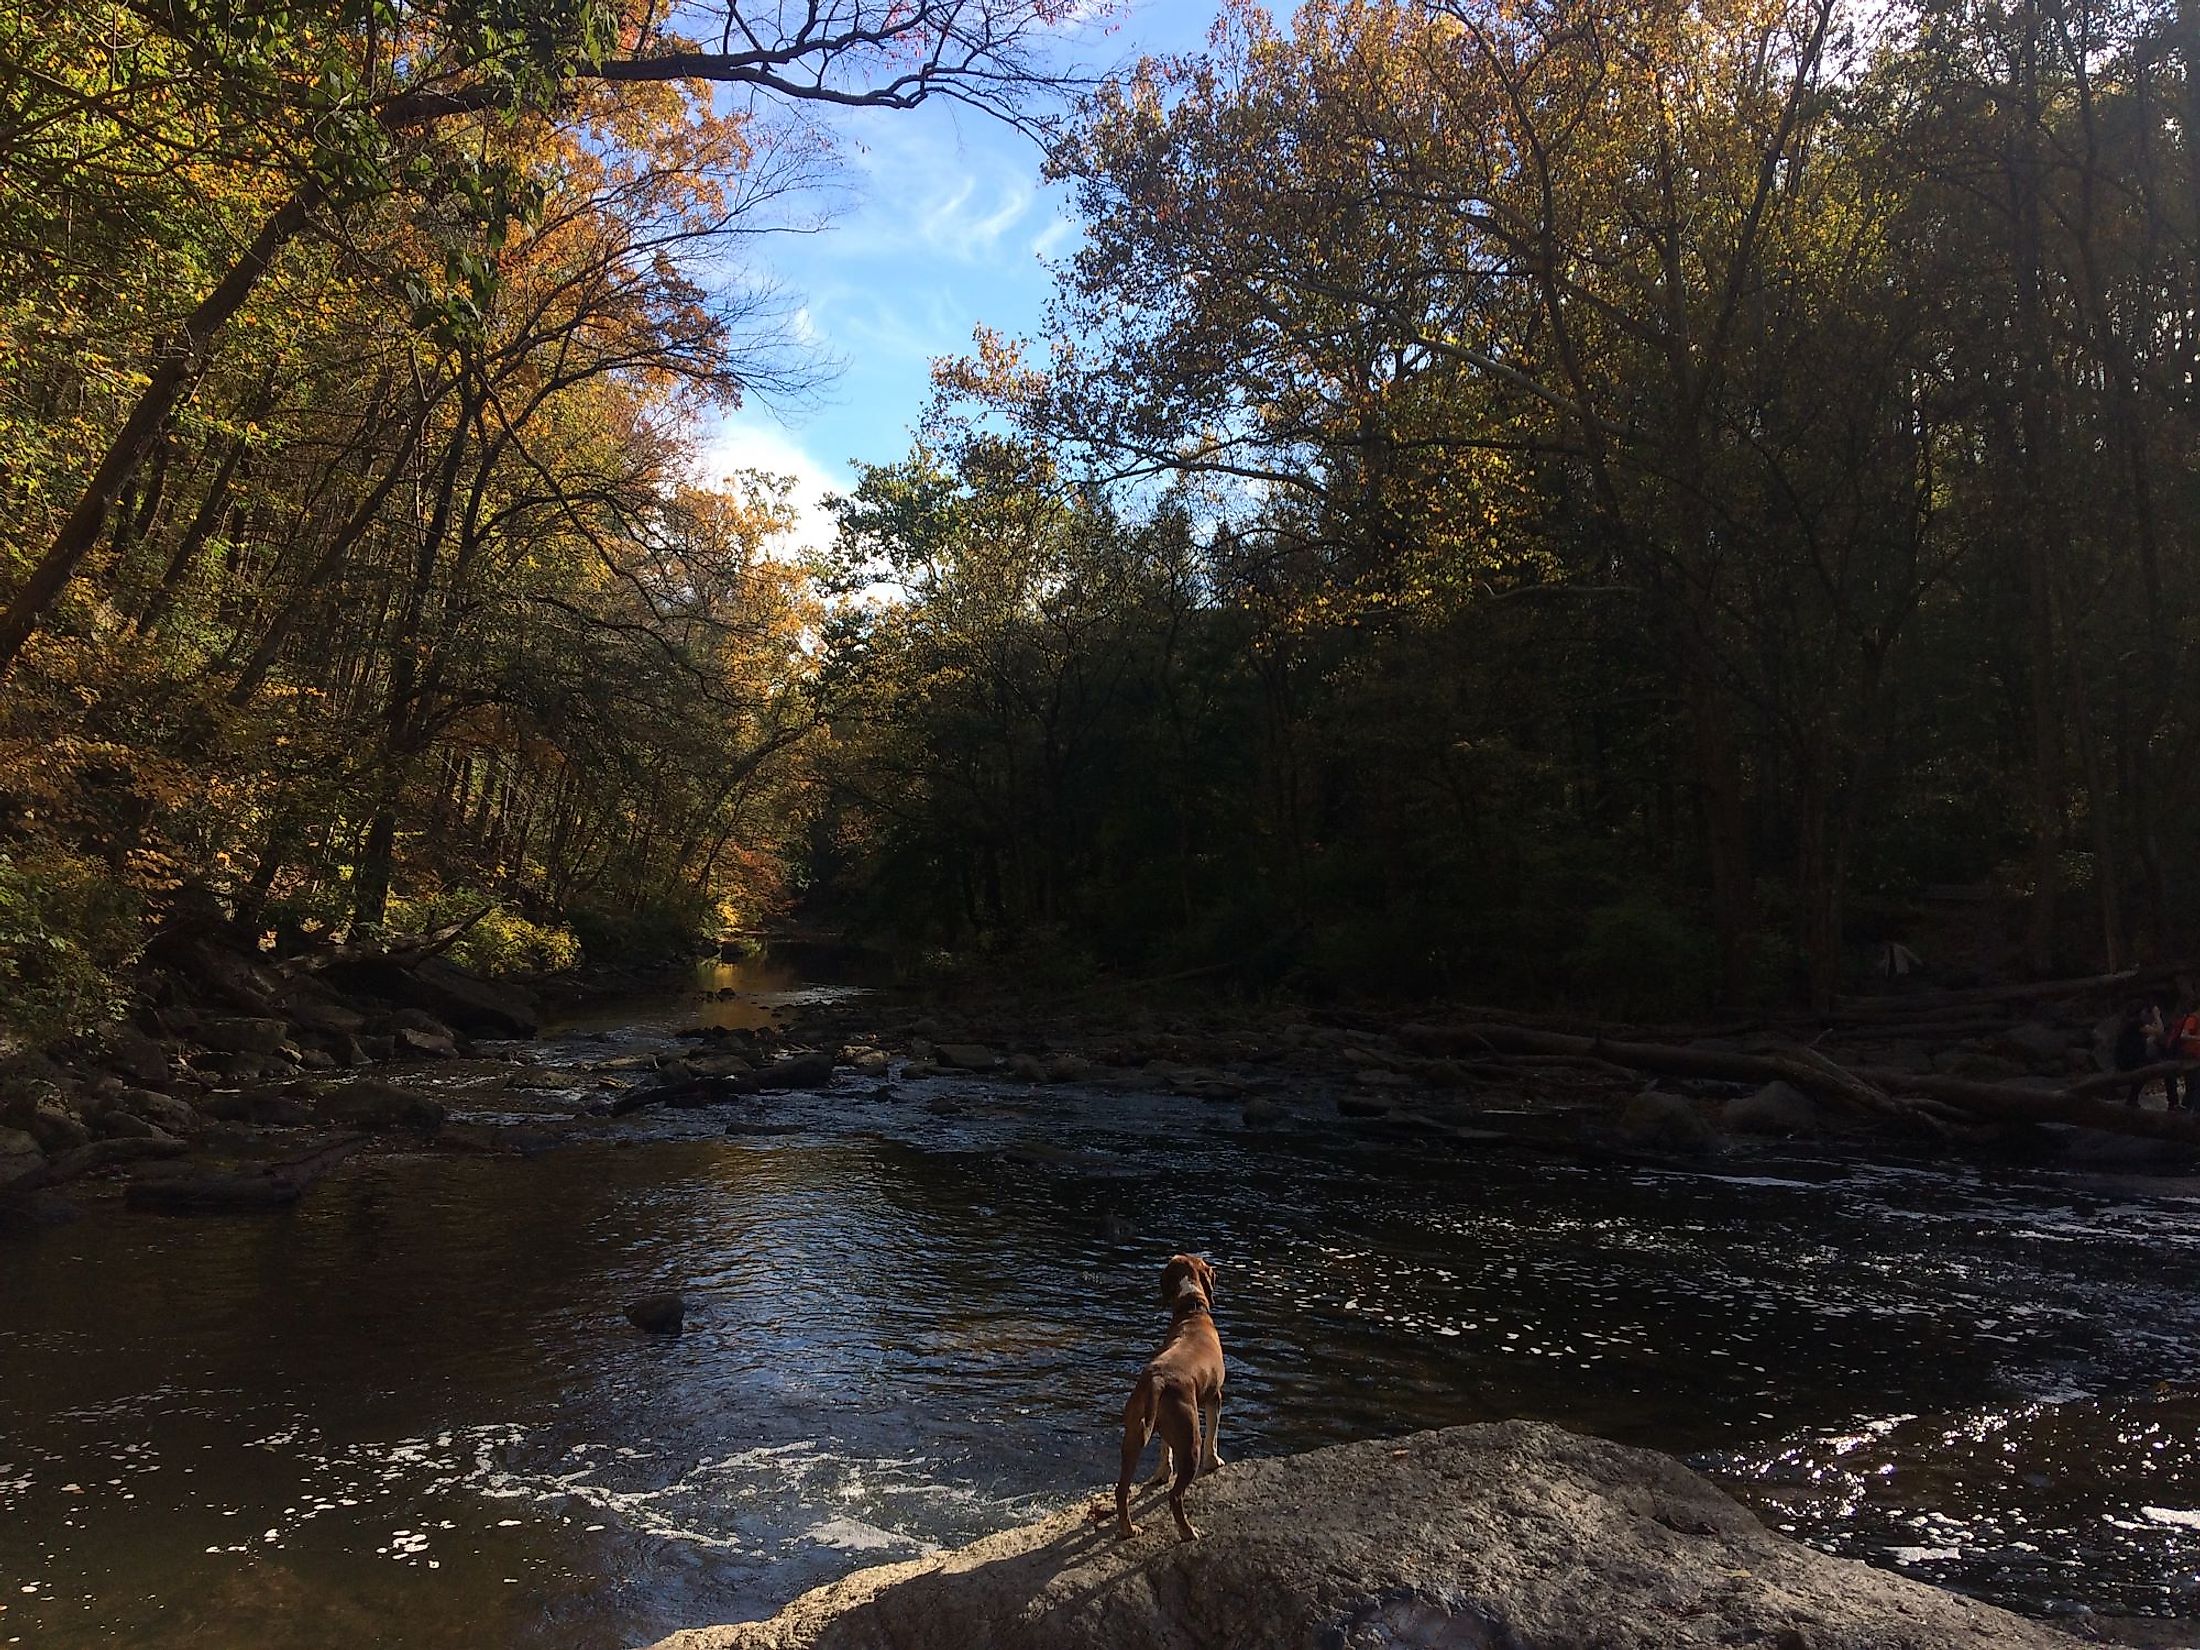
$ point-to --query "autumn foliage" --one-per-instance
(359, 551)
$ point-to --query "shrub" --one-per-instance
(1639, 958)
(502, 942)
(650, 933)
(67, 930)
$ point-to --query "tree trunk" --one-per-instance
(155, 611)
(1818, 888)
(2034, 374)
(177, 365)
(1725, 832)
(370, 897)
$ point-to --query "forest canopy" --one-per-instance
(1561, 499)
(1604, 501)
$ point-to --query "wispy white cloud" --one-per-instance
(945, 186)
(746, 444)
(1051, 240)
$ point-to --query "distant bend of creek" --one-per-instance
(410, 1413)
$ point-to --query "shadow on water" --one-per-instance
(410, 1413)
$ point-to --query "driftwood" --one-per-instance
(1810, 1073)
(1896, 1095)
(2108, 1082)
(277, 1186)
(99, 1154)
(408, 952)
(1883, 1031)
(2007, 1102)
(1915, 1004)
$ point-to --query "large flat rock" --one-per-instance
(1517, 1536)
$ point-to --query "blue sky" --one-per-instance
(942, 223)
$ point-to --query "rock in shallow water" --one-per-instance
(662, 1314)
(1777, 1108)
(372, 1104)
(967, 1056)
(801, 1071)
(1669, 1123)
(19, 1154)
(1518, 1536)
(244, 1035)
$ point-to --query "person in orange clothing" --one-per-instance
(2182, 1042)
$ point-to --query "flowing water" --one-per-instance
(410, 1413)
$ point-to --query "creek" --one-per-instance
(410, 1413)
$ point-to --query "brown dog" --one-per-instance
(1184, 1378)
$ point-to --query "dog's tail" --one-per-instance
(1138, 1424)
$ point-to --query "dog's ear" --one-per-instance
(1206, 1275)
(1177, 1267)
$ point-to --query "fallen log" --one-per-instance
(2108, 1082)
(1881, 1031)
(99, 1154)
(1865, 1095)
(1856, 1090)
(2006, 1102)
(408, 951)
(1915, 1004)
(277, 1186)
(1875, 1089)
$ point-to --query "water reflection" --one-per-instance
(411, 1413)
(743, 994)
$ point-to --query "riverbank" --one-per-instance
(239, 1080)
(2018, 1074)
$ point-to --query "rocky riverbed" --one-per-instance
(239, 1079)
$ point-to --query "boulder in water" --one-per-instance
(241, 1034)
(1516, 1535)
(1777, 1108)
(19, 1155)
(477, 1007)
(2033, 1044)
(481, 1008)
(124, 1048)
(416, 1044)
(1978, 1064)
(548, 1080)
(967, 1056)
(32, 1211)
(720, 1065)
(659, 1314)
(118, 1124)
(56, 1127)
(800, 1071)
(1668, 1123)
(162, 1110)
(372, 1104)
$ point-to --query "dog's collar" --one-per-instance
(1185, 1308)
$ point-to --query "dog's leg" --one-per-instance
(1214, 1434)
(1187, 1469)
(1176, 1418)
(1163, 1468)
(1138, 1420)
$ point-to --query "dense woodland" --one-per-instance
(1576, 500)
